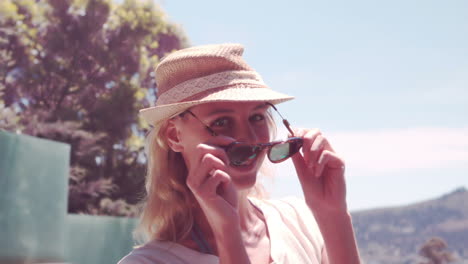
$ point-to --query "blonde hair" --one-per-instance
(167, 211)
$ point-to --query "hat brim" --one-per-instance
(156, 114)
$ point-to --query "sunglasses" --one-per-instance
(242, 153)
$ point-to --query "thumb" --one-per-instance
(309, 183)
(300, 165)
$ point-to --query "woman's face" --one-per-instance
(232, 121)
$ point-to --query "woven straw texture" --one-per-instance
(210, 73)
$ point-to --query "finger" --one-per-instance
(299, 132)
(217, 177)
(300, 165)
(215, 150)
(330, 160)
(300, 161)
(310, 139)
(201, 172)
(318, 145)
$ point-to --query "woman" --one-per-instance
(212, 130)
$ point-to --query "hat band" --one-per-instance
(196, 86)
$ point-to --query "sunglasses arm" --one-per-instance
(286, 123)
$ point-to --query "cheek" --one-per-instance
(191, 141)
(263, 133)
(190, 137)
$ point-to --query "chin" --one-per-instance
(244, 182)
(244, 177)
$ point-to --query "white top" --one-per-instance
(294, 238)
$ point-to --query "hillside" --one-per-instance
(394, 235)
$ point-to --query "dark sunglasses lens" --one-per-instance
(295, 146)
(242, 153)
(280, 151)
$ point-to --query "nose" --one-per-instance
(246, 133)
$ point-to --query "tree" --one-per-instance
(77, 71)
(436, 252)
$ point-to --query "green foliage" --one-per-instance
(77, 71)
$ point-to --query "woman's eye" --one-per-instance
(220, 122)
(257, 117)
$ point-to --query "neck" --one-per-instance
(249, 215)
(251, 221)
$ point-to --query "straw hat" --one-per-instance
(203, 74)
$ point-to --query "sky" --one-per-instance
(385, 81)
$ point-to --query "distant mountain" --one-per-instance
(395, 235)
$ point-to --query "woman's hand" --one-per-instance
(321, 173)
(211, 185)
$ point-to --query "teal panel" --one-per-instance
(33, 197)
(98, 239)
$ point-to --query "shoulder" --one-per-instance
(289, 207)
(288, 204)
(294, 213)
(293, 229)
(165, 252)
(154, 252)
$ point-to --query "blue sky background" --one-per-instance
(386, 81)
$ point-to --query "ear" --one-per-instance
(173, 137)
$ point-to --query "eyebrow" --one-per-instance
(260, 106)
(228, 110)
